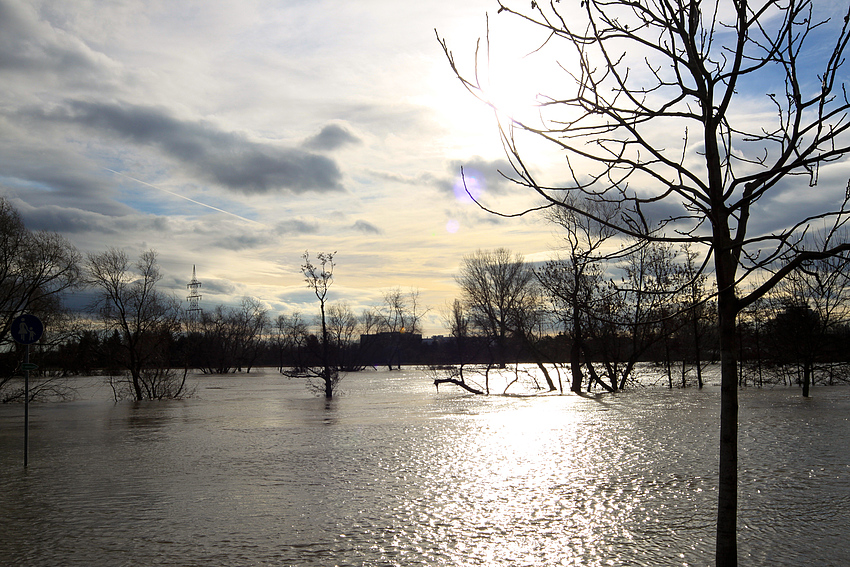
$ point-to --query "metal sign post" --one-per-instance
(26, 330)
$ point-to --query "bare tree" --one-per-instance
(815, 302)
(319, 279)
(458, 322)
(500, 294)
(753, 327)
(146, 320)
(694, 301)
(531, 322)
(370, 320)
(647, 313)
(251, 320)
(624, 318)
(218, 343)
(660, 120)
(36, 269)
(494, 284)
(291, 332)
(343, 328)
(231, 338)
(573, 280)
(399, 315)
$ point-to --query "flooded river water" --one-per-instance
(253, 470)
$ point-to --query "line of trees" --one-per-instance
(598, 316)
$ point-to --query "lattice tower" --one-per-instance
(194, 297)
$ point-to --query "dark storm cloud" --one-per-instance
(332, 137)
(222, 157)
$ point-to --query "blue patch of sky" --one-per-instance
(18, 182)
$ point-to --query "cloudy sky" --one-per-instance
(233, 136)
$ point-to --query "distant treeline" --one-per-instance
(772, 349)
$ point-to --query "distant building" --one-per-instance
(436, 339)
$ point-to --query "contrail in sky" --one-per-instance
(182, 196)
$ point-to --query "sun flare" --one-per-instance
(511, 90)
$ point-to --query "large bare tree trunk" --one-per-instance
(807, 377)
(726, 550)
(326, 369)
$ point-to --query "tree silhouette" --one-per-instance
(319, 279)
(146, 320)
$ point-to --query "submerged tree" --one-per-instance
(343, 327)
(693, 300)
(319, 279)
(230, 338)
(493, 285)
(251, 320)
(456, 320)
(499, 292)
(660, 118)
(814, 302)
(143, 319)
(573, 281)
(290, 337)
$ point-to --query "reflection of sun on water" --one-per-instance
(526, 473)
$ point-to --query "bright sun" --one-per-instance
(512, 88)
(513, 72)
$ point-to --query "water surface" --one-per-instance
(254, 470)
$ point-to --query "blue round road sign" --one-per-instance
(27, 329)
